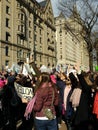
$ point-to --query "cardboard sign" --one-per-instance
(30, 69)
(24, 92)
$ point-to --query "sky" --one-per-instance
(54, 6)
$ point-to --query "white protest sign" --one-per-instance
(24, 92)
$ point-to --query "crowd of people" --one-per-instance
(71, 98)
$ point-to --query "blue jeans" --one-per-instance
(46, 124)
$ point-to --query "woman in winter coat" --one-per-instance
(69, 108)
(61, 78)
(46, 94)
(82, 114)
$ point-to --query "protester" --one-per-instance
(45, 92)
(26, 82)
(82, 114)
(75, 108)
(67, 105)
(3, 117)
(61, 84)
(95, 105)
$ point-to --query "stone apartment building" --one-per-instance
(27, 32)
(71, 47)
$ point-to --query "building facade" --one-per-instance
(27, 32)
(71, 47)
(44, 37)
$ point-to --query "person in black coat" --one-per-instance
(82, 114)
(11, 103)
(60, 86)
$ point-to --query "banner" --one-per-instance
(24, 92)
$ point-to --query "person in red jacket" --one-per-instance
(46, 93)
(95, 104)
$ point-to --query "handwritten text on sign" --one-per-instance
(24, 92)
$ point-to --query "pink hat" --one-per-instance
(53, 78)
(2, 83)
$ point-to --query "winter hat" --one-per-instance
(53, 78)
(2, 83)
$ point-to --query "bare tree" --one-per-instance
(85, 13)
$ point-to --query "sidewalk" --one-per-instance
(63, 126)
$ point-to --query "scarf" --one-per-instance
(29, 107)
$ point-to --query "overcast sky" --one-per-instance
(54, 6)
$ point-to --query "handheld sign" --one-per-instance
(24, 92)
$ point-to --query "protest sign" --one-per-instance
(24, 92)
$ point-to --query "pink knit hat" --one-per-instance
(2, 83)
(53, 78)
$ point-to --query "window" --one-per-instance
(20, 53)
(61, 57)
(40, 31)
(60, 43)
(34, 28)
(40, 48)
(7, 22)
(35, 19)
(21, 41)
(22, 16)
(28, 55)
(18, 27)
(6, 50)
(7, 36)
(60, 30)
(7, 10)
(22, 29)
(60, 34)
(22, 25)
(6, 63)
(18, 39)
(18, 16)
(40, 40)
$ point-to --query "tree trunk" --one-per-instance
(90, 61)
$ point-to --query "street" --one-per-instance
(63, 126)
